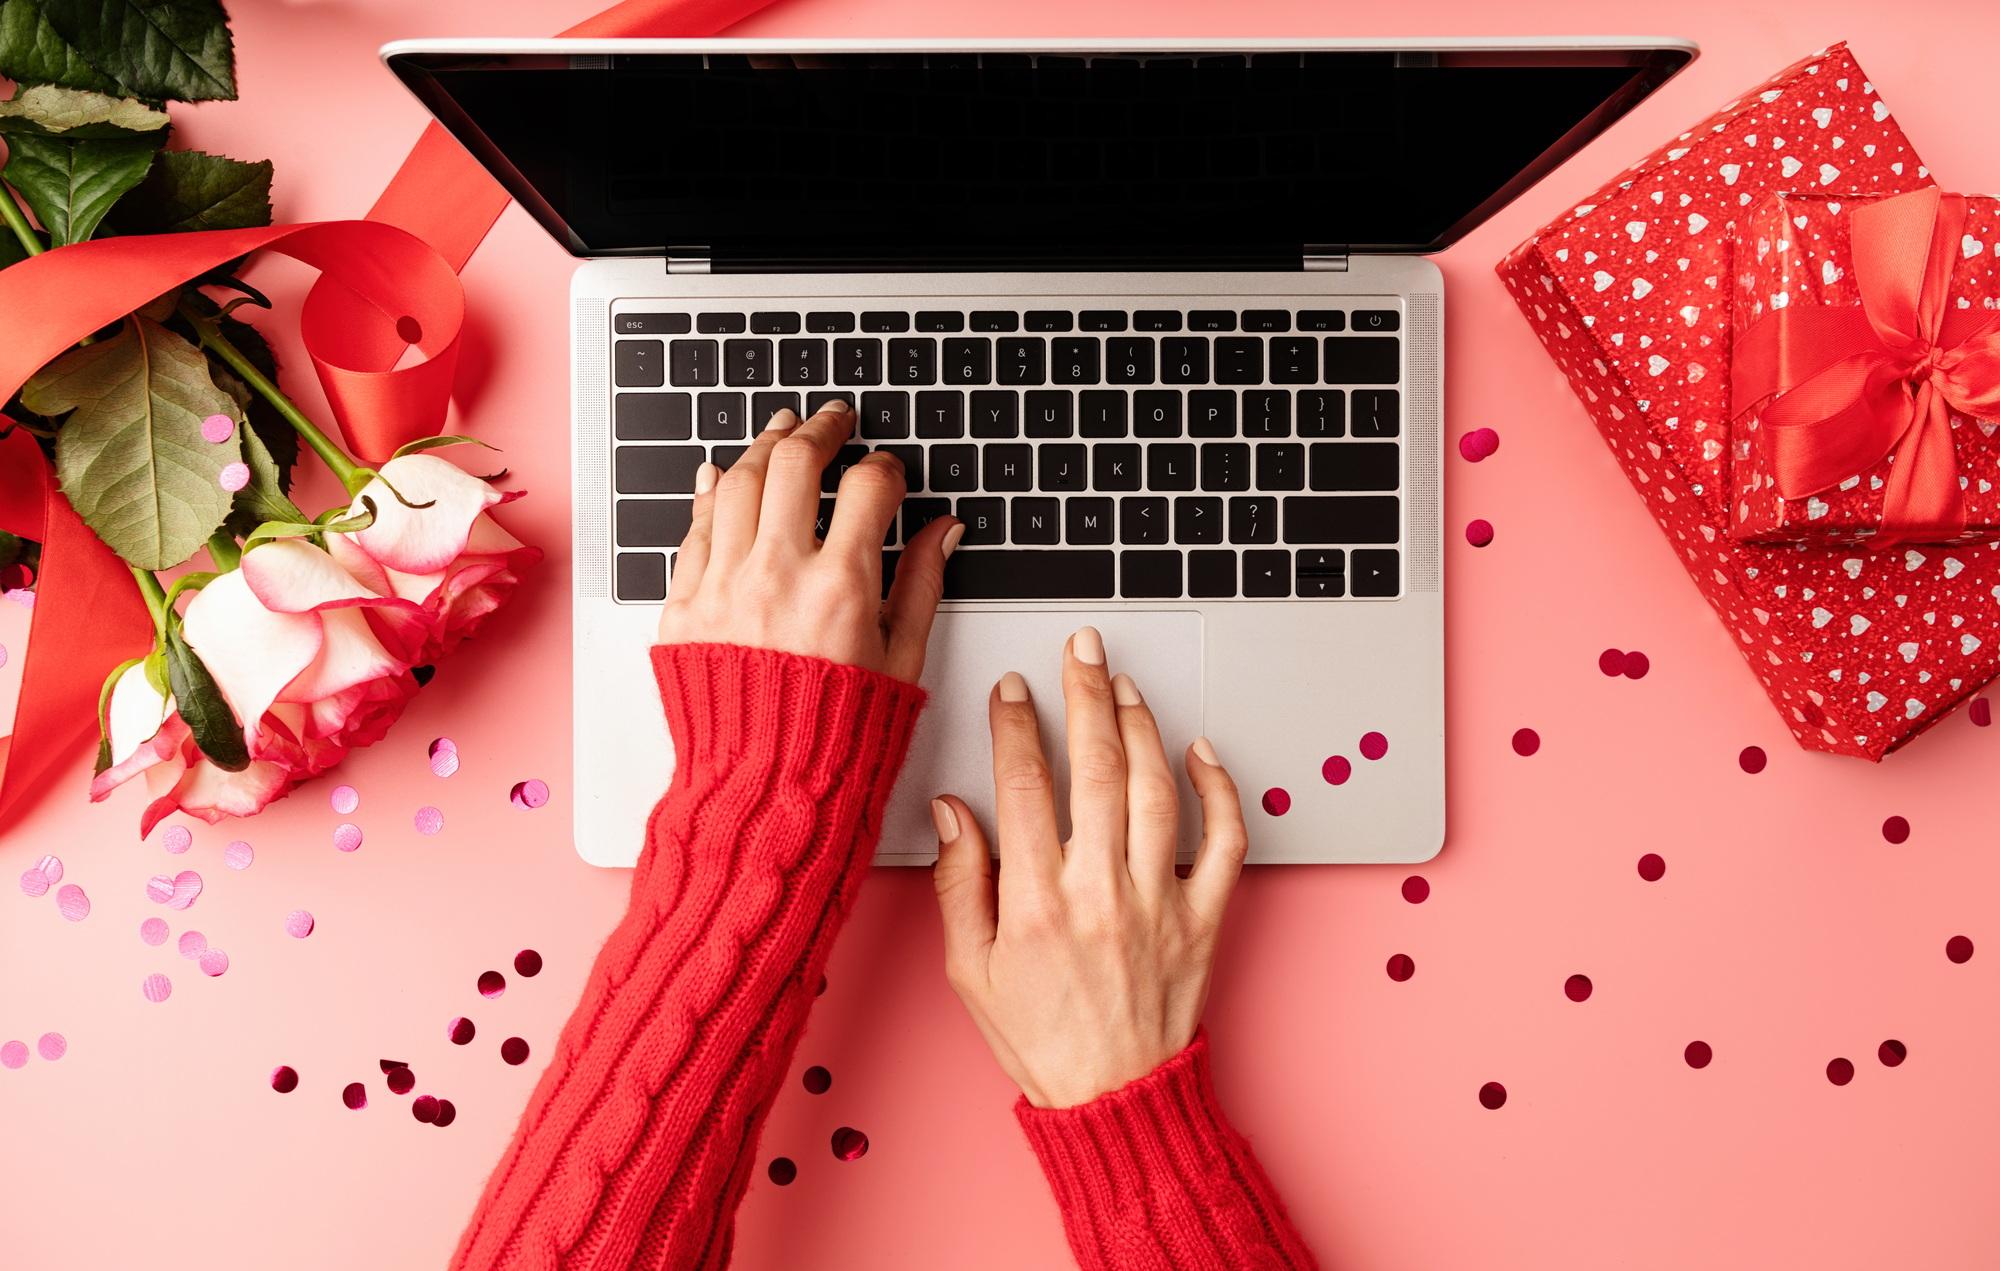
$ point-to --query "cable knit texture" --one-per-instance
(1152, 1177)
(638, 1142)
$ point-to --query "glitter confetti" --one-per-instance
(52, 869)
(1896, 830)
(216, 429)
(424, 1108)
(355, 1096)
(1698, 1054)
(849, 1144)
(34, 882)
(1526, 741)
(176, 839)
(444, 757)
(1401, 967)
(14, 1054)
(1752, 760)
(1416, 889)
(238, 855)
(527, 964)
(1373, 745)
(1277, 801)
(187, 886)
(532, 793)
(1958, 949)
(214, 962)
(1336, 770)
(1652, 867)
(401, 1080)
(193, 944)
(492, 984)
(817, 1080)
(159, 889)
(514, 1050)
(1492, 1096)
(429, 820)
(1892, 1053)
(284, 1079)
(344, 799)
(447, 1113)
(156, 987)
(1577, 988)
(234, 476)
(782, 1170)
(460, 1030)
(346, 837)
(298, 924)
(1840, 1071)
(53, 1046)
(1479, 532)
(72, 903)
(154, 931)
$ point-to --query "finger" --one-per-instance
(1024, 797)
(692, 557)
(913, 597)
(964, 880)
(1096, 754)
(791, 489)
(1152, 805)
(1224, 841)
(739, 493)
(865, 506)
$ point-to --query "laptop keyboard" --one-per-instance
(1093, 454)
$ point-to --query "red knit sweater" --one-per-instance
(640, 1138)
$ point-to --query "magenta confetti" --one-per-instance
(429, 820)
(1611, 662)
(176, 839)
(1526, 741)
(1492, 1096)
(156, 987)
(1577, 988)
(298, 924)
(72, 903)
(1480, 443)
(154, 931)
(390, 1065)
(1479, 532)
(34, 882)
(527, 964)
(1752, 760)
(355, 1096)
(52, 869)
(214, 962)
(346, 837)
(238, 855)
(444, 757)
(1698, 1054)
(1336, 770)
(1277, 801)
(1980, 712)
(782, 1170)
(849, 1144)
(14, 1054)
(187, 886)
(492, 984)
(400, 1080)
(1896, 830)
(216, 429)
(532, 793)
(1652, 867)
(344, 799)
(1840, 1071)
(54, 1046)
(159, 889)
(1892, 1053)
(514, 1050)
(1373, 746)
(1416, 889)
(460, 1030)
(1636, 666)
(193, 944)
(424, 1108)
(1959, 949)
(817, 1080)
(234, 476)
(1401, 967)
(447, 1113)
(284, 1079)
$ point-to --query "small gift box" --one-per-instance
(1865, 370)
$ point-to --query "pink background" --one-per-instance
(1785, 933)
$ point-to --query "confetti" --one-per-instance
(429, 820)
(193, 944)
(514, 1050)
(1577, 988)
(1277, 801)
(1373, 746)
(1401, 967)
(345, 799)
(72, 903)
(1480, 443)
(849, 1144)
(217, 429)
(1479, 532)
(284, 1079)
(346, 837)
(1958, 949)
(1336, 770)
(444, 757)
(1752, 760)
(154, 931)
(187, 886)
(782, 1170)
(1416, 889)
(1980, 712)
(1697, 1054)
(234, 476)
(54, 1046)
(1492, 1096)
(1611, 662)
(156, 987)
(355, 1096)
(1840, 1071)
(52, 868)
(424, 1108)
(1652, 867)
(159, 889)
(447, 1113)
(1892, 1052)
(1636, 666)
(1526, 741)
(238, 855)
(298, 924)
(460, 1030)
(492, 984)
(527, 964)
(390, 1065)
(532, 793)
(1896, 830)
(34, 882)
(817, 1080)
(214, 963)
(14, 1054)
(176, 839)
(401, 1081)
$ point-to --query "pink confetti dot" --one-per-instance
(72, 903)
(344, 799)
(1752, 760)
(54, 1046)
(492, 984)
(1401, 967)
(444, 757)
(429, 820)
(1479, 532)
(1526, 741)
(234, 476)
(782, 1171)
(355, 1096)
(1980, 712)
(217, 429)
(156, 987)
(52, 868)
(1277, 801)
(34, 882)
(817, 1080)
(1959, 949)
(176, 839)
(1373, 745)
(214, 962)
(1892, 1053)
(1492, 1096)
(187, 886)
(460, 1030)
(1698, 1054)
(400, 1080)
(1480, 443)
(527, 964)
(14, 1054)
(346, 837)
(1416, 889)
(154, 931)
(1896, 830)
(193, 944)
(532, 793)
(447, 1113)
(1652, 867)
(298, 924)
(238, 855)
(159, 889)
(514, 1050)
(1840, 1071)
(1336, 770)
(284, 1079)
(849, 1144)
(424, 1108)
(1577, 988)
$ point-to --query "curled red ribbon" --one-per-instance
(1855, 384)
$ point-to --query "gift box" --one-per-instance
(1629, 291)
(1865, 369)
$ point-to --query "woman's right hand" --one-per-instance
(1087, 965)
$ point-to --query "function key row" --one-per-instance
(890, 322)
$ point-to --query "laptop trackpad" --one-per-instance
(953, 749)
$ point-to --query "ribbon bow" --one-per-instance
(1860, 383)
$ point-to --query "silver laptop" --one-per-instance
(1153, 319)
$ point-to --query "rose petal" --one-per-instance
(290, 575)
(418, 540)
(349, 655)
(252, 652)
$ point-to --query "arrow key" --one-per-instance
(1377, 572)
(1267, 575)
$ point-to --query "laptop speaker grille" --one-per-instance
(590, 454)
(1426, 424)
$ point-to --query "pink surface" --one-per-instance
(1786, 932)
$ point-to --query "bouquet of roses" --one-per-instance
(299, 637)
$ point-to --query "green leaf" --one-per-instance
(32, 51)
(190, 190)
(438, 443)
(77, 113)
(131, 458)
(161, 50)
(331, 522)
(202, 707)
(264, 498)
(72, 184)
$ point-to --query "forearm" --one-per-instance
(1152, 1177)
(634, 1145)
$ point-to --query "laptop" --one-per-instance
(1154, 319)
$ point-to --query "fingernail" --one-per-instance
(782, 421)
(951, 538)
(1206, 752)
(946, 821)
(704, 478)
(1088, 646)
(1013, 688)
(1124, 691)
(838, 405)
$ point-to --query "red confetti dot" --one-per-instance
(1611, 662)
(460, 1030)
(390, 1065)
(1401, 967)
(284, 1079)
(1526, 741)
(817, 1080)
(447, 1113)
(782, 1170)
(1492, 1096)
(1374, 745)
(849, 1144)
(401, 1080)
(514, 1050)
(1981, 712)
(527, 964)
(1277, 801)
(1636, 666)
(1840, 1071)
(424, 1108)
(492, 984)
(1752, 760)
(355, 1096)
(1896, 830)
(1480, 443)
(1416, 889)
(1336, 770)
(1652, 867)
(1698, 1054)
(1479, 532)
(1958, 949)
(1892, 1052)
(1577, 988)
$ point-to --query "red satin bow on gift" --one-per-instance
(1861, 383)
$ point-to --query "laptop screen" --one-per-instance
(925, 160)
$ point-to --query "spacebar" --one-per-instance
(1027, 575)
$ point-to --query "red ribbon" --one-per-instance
(378, 277)
(1860, 383)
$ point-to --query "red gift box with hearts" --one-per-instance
(1630, 292)
(1865, 370)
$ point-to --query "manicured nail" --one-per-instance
(705, 477)
(1124, 691)
(1013, 688)
(1088, 646)
(782, 421)
(1206, 752)
(838, 405)
(946, 821)
(951, 538)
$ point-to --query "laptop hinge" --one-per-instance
(687, 260)
(1322, 257)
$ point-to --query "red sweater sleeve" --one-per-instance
(637, 1144)
(1151, 1177)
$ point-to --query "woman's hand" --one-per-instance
(751, 570)
(1087, 965)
